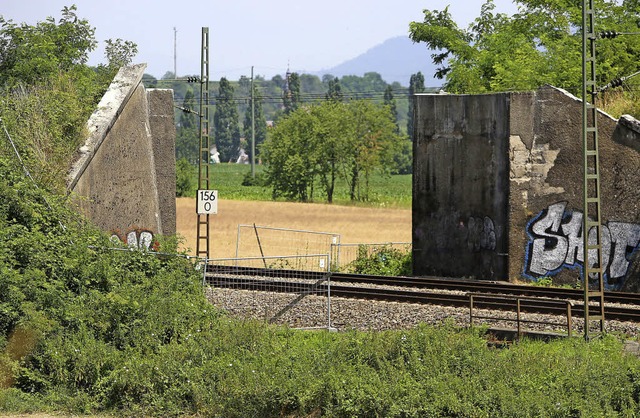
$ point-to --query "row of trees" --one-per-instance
(314, 142)
(227, 131)
(275, 99)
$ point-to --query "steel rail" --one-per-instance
(408, 296)
(435, 283)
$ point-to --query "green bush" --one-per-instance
(382, 261)
(185, 174)
(251, 180)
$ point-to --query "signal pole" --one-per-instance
(253, 130)
(175, 49)
(204, 155)
(592, 215)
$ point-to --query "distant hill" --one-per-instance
(395, 60)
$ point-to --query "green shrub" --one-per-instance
(251, 180)
(184, 178)
(383, 261)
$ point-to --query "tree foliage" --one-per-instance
(259, 125)
(334, 90)
(538, 45)
(48, 92)
(291, 93)
(187, 139)
(369, 82)
(119, 52)
(316, 144)
(390, 101)
(225, 122)
(312, 90)
(32, 53)
(416, 85)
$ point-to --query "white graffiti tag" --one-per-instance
(557, 241)
(141, 239)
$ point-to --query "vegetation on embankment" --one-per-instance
(88, 330)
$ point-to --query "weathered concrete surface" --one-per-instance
(544, 189)
(125, 174)
(546, 212)
(163, 137)
(460, 186)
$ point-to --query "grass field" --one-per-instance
(384, 190)
(386, 218)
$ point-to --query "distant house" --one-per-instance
(215, 155)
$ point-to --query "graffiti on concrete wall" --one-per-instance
(556, 242)
(136, 238)
(481, 234)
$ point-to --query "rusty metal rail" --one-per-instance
(492, 302)
(426, 291)
(440, 283)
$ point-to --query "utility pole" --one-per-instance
(253, 130)
(592, 216)
(205, 199)
(175, 49)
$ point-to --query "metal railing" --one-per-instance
(260, 241)
(488, 300)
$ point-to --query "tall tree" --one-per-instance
(330, 144)
(260, 122)
(540, 44)
(334, 91)
(291, 94)
(288, 153)
(372, 142)
(187, 139)
(318, 143)
(416, 85)
(390, 101)
(225, 122)
(402, 157)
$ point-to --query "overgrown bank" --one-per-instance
(90, 330)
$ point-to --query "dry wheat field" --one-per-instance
(354, 224)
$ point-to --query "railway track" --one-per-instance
(424, 290)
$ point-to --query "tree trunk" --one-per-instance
(354, 181)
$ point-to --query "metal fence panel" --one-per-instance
(266, 288)
(264, 241)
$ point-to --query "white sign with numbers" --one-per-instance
(207, 202)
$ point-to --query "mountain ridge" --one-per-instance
(395, 59)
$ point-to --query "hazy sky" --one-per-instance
(268, 34)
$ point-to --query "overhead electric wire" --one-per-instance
(305, 97)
